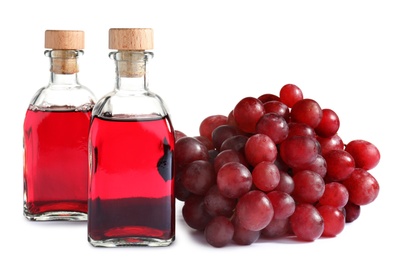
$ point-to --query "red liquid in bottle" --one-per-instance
(56, 164)
(131, 193)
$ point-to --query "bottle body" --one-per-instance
(55, 142)
(131, 196)
(131, 146)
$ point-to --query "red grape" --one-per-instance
(260, 147)
(194, 212)
(210, 123)
(231, 119)
(219, 231)
(268, 97)
(274, 126)
(218, 205)
(318, 165)
(340, 164)
(333, 219)
(265, 176)
(243, 236)
(296, 128)
(181, 193)
(297, 151)
(306, 222)
(189, 149)
(278, 108)
(308, 186)
(247, 113)
(290, 94)
(283, 204)
(236, 143)
(221, 133)
(254, 210)
(328, 144)
(366, 155)
(198, 177)
(276, 228)
(329, 124)
(352, 211)
(335, 194)
(286, 183)
(204, 140)
(212, 154)
(179, 134)
(227, 156)
(234, 180)
(362, 187)
(307, 111)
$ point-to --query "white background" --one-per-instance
(347, 55)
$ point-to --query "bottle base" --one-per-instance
(131, 241)
(56, 216)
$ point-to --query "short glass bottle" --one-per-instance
(131, 192)
(55, 137)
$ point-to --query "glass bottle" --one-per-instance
(55, 139)
(131, 146)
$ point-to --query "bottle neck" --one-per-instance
(131, 70)
(63, 67)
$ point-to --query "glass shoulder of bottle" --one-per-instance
(113, 105)
(77, 98)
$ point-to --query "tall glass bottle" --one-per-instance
(131, 192)
(55, 136)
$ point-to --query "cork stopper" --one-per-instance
(64, 39)
(64, 45)
(134, 39)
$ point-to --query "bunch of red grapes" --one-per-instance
(274, 167)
